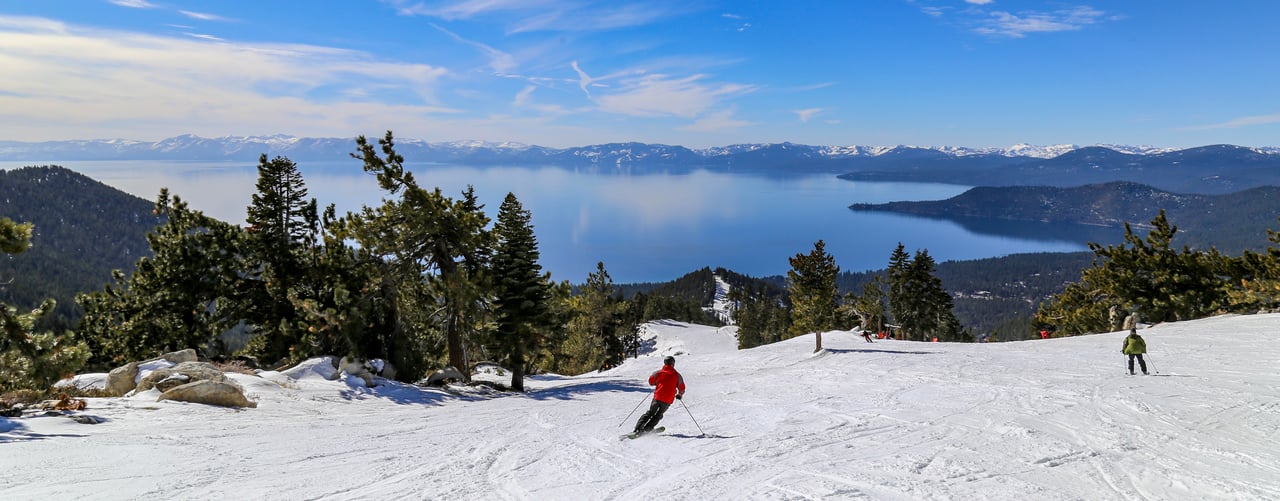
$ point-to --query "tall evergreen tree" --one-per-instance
(282, 238)
(921, 306)
(811, 282)
(434, 247)
(522, 291)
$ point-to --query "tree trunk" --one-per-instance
(517, 368)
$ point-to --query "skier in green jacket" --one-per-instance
(1134, 346)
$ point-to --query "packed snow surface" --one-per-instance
(897, 420)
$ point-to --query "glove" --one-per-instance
(680, 396)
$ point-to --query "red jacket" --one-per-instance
(668, 382)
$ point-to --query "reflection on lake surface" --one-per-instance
(644, 227)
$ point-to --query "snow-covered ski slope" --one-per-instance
(1044, 419)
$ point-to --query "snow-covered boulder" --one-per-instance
(325, 368)
(444, 376)
(222, 393)
(181, 374)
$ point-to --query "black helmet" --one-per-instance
(670, 360)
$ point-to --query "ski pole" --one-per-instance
(695, 421)
(1152, 364)
(633, 411)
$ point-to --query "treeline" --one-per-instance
(1150, 277)
(907, 300)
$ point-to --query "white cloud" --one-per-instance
(501, 62)
(1240, 122)
(661, 95)
(807, 113)
(522, 97)
(716, 122)
(203, 36)
(203, 16)
(1001, 23)
(548, 15)
(113, 82)
(816, 86)
(979, 2)
(134, 4)
(584, 79)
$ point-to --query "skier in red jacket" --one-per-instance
(670, 386)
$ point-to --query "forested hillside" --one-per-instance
(83, 229)
(1231, 223)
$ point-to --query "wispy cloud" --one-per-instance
(584, 80)
(203, 36)
(661, 95)
(203, 16)
(1237, 123)
(717, 122)
(1005, 24)
(548, 15)
(979, 2)
(501, 62)
(134, 4)
(807, 113)
(806, 88)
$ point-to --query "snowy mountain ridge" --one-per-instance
(192, 147)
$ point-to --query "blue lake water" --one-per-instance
(644, 227)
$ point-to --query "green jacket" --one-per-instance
(1133, 344)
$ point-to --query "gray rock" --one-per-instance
(122, 379)
(177, 357)
(445, 375)
(191, 371)
(221, 393)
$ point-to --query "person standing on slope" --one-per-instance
(669, 386)
(1134, 346)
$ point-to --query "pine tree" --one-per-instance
(30, 359)
(869, 306)
(594, 338)
(761, 318)
(175, 299)
(1143, 275)
(522, 293)
(811, 282)
(282, 238)
(431, 250)
(921, 307)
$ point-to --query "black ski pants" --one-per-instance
(1141, 362)
(650, 419)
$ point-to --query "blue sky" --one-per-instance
(980, 73)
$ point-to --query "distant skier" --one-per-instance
(867, 335)
(1135, 346)
(670, 386)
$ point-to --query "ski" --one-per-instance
(634, 435)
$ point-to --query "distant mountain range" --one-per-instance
(1207, 169)
(191, 147)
